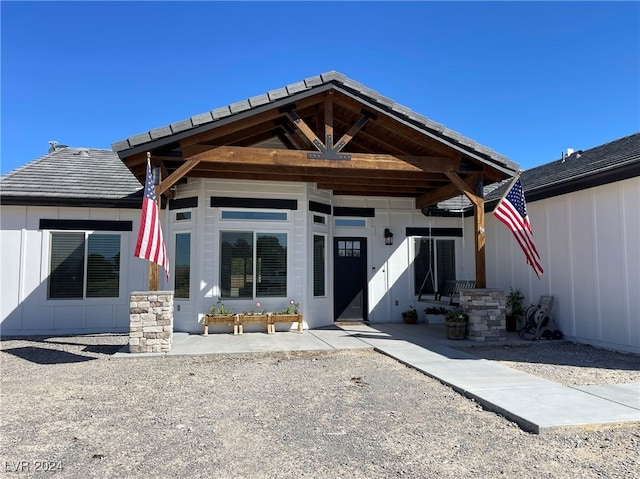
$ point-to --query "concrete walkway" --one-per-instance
(536, 404)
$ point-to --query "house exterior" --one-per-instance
(584, 209)
(323, 192)
(290, 195)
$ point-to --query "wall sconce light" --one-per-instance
(388, 237)
(155, 173)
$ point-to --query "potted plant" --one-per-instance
(456, 324)
(435, 314)
(515, 309)
(410, 316)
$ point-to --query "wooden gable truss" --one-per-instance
(341, 142)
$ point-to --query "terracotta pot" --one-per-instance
(410, 319)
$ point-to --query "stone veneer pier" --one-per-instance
(151, 321)
(486, 309)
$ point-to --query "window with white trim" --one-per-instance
(253, 264)
(319, 264)
(182, 266)
(84, 265)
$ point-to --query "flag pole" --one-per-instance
(154, 268)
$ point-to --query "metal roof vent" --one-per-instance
(84, 153)
(567, 154)
(54, 146)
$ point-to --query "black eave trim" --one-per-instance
(434, 232)
(319, 207)
(94, 225)
(264, 203)
(359, 212)
(183, 203)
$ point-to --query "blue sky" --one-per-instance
(526, 79)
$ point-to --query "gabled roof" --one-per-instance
(296, 133)
(72, 176)
(613, 161)
(202, 122)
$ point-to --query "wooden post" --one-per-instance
(154, 276)
(154, 280)
(476, 197)
(480, 237)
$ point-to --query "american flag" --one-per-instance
(512, 211)
(150, 244)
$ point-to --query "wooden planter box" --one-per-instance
(238, 320)
(223, 319)
(285, 318)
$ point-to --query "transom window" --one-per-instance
(84, 265)
(254, 215)
(252, 264)
(353, 222)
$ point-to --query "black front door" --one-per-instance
(350, 279)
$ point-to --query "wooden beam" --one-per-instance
(365, 187)
(348, 136)
(305, 130)
(176, 175)
(297, 158)
(328, 120)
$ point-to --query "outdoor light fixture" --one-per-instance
(388, 237)
(155, 173)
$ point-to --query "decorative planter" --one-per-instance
(456, 330)
(410, 318)
(434, 318)
(231, 319)
(511, 323)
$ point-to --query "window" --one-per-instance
(320, 220)
(434, 264)
(254, 215)
(182, 265)
(358, 223)
(319, 255)
(247, 271)
(349, 248)
(84, 265)
(183, 216)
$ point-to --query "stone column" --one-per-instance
(151, 321)
(486, 309)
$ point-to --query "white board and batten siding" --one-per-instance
(24, 266)
(588, 241)
(26, 309)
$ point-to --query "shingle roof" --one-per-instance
(208, 120)
(598, 165)
(70, 174)
(615, 154)
(602, 164)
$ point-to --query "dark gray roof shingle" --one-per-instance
(582, 167)
(71, 173)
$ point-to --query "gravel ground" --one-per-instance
(68, 406)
